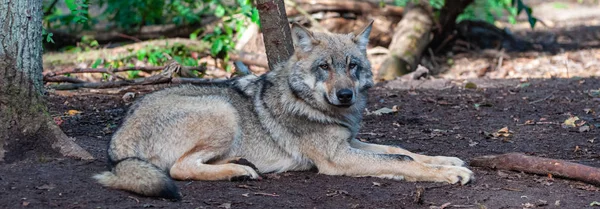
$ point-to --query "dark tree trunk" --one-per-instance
(26, 129)
(276, 31)
(447, 23)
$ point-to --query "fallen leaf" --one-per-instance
(377, 184)
(25, 203)
(584, 129)
(595, 203)
(226, 205)
(58, 120)
(570, 122)
(523, 85)
(46, 187)
(384, 110)
(73, 112)
(246, 194)
(587, 110)
(470, 85)
(594, 93)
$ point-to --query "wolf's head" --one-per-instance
(330, 70)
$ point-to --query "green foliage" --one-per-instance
(491, 10)
(487, 10)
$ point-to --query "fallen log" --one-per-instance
(539, 165)
(411, 36)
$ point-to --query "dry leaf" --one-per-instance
(584, 129)
(376, 184)
(25, 203)
(46, 187)
(570, 122)
(73, 112)
(384, 110)
(225, 205)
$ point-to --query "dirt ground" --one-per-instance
(429, 121)
(434, 117)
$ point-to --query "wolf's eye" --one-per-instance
(352, 66)
(324, 66)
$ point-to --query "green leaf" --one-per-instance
(217, 46)
(96, 63)
(255, 16)
(220, 11)
(71, 4)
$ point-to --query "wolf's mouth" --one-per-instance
(342, 105)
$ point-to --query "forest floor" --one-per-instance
(434, 117)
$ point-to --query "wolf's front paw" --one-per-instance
(443, 160)
(245, 173)
(456, 174)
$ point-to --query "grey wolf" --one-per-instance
(303, 114)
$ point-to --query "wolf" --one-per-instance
(303, 114)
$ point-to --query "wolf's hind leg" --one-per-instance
(384, 149)
(194, 167)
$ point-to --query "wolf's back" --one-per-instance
(139, 176)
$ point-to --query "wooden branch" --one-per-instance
(539, 165)
(155, 79)
(110, 71)
(277, 35)
(63, 79)
(411, 36)
(358, 7)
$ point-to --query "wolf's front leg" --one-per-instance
(355, 162)
(384, 149)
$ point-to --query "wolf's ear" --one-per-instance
(303, 38)
(362, 39)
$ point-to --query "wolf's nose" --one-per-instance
(344, 95)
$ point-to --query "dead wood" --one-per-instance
(48, 76)
(155, 79)
(357, 7)
(411, 36)
(539, 165)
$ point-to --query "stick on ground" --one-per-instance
(539, 165)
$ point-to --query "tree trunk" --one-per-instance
(26, 129)
(411, 36)
(447, 23)
(275, 27)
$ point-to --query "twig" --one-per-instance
(266, 194)
(109, 71)
(156, 79)
(63, 79)
(541, 100)
(49, 10)
(315, 24)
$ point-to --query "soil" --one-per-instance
(450, 121)
(434, 117)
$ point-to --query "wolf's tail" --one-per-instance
(139, 176)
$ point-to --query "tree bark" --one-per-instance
(411, 36)
(447, 23)
(539, 165)
(27, 130)
(275, 27)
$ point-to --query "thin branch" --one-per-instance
(156, 79)
(108, 70)
(63, 79)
